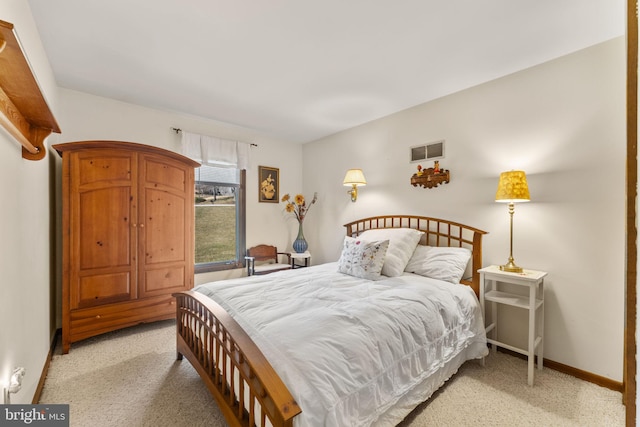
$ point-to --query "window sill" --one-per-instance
(217, 266)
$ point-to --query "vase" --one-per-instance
(300, 244)
(268, 193)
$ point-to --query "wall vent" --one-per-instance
(429, 151)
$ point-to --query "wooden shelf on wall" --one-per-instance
(429, 179)
(24, 112)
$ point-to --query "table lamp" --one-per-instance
(512, 188)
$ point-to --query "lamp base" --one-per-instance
(511, 267)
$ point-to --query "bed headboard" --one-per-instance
(438, 232)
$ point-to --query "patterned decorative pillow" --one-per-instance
(362, 259)
(444, 263)
(402, 243)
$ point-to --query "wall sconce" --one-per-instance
(15, 384)
(354, 178)
(512, 188)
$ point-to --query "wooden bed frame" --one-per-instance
(437, 232)
(244, 384)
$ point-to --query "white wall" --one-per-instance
(563, 123)
(89, 117)
(26, 286)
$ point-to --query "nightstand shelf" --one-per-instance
(510, 299)
(532, 301)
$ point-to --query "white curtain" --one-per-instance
(218, 152)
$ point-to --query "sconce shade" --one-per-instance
(512, 187)
(354, 177)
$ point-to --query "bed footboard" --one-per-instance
(247, 389)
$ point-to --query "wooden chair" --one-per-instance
(263, 259)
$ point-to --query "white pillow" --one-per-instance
(442, 263)
(402, 243)
(362, 259)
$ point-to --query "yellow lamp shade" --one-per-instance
(354, 177)
(512, 187)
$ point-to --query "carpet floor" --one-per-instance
(132, 378)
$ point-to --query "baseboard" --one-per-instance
(45, 368)
(584, 375)
(574, 372)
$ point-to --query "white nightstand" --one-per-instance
(306, 256)
(533, 302)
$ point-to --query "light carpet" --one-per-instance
(131, 378)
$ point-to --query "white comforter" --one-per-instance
(349, 349)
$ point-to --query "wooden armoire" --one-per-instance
(127, 235)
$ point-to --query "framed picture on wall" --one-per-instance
(269, 183)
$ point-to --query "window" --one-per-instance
(220, 218)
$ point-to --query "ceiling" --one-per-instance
(299, 70)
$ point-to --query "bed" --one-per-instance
(359, 341)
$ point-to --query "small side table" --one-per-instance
(306, 256)
(533, 302)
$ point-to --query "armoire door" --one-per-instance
(103, 215)
(166, 210)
